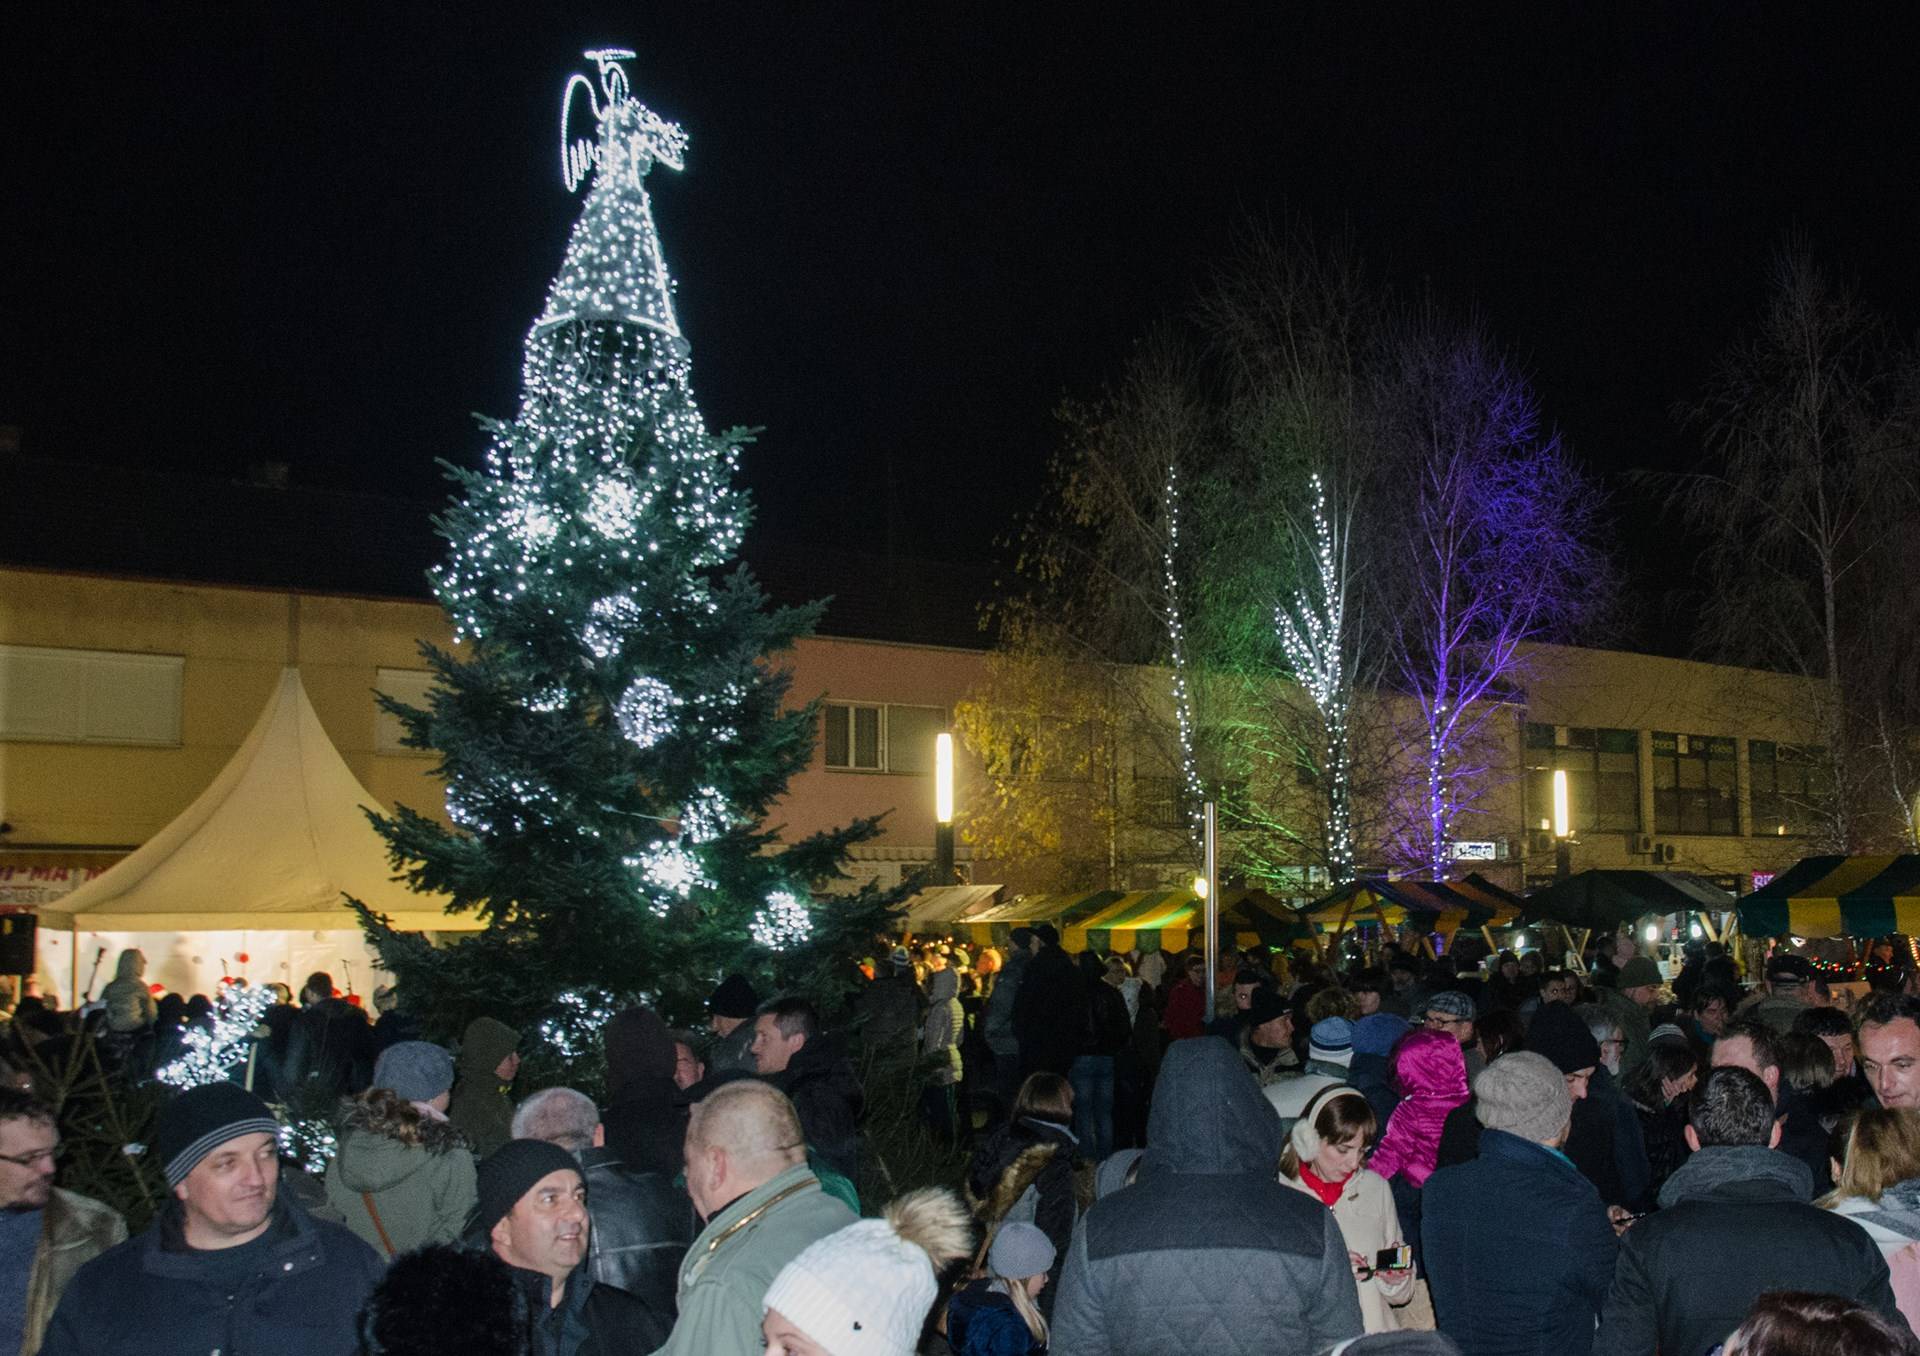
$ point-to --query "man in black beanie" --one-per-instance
(731, 1008)
(532, 1215)
(228, 1264)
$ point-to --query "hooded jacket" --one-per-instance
(1734, 1223)
(645, 1117)
(997, 1018)
(1206, 1251)
(128, 1001)
(946, 1023)
(423, 1192)
(480, 1106)
(1431, 1074)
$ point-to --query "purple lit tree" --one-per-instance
(1488, 546)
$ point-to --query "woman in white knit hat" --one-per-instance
(999, 1315)
(1323, 1158)
(865, 1290)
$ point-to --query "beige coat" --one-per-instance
(1370, 1224)
(75, 1229)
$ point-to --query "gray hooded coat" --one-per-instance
(1207, 1251)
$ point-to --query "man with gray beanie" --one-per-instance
(228, 1264)
(532, 1215)
(1516, 1242)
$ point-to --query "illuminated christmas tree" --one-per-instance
(614, 734)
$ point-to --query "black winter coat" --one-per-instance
(1734, 1223)
(1049, 1012)
(825, 1091)
(297, 1291)
(591, 1319)
(642, 1226)
(1027, 1153)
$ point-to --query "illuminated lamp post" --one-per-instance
(1562, 826)
(943, 870)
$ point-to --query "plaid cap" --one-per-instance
(1450, 1003)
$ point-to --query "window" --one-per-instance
(1694, 784)
(1788, 788)
(89, 696)
(403, 685)
(861, 737)
(1603, 777)
(1158, 802)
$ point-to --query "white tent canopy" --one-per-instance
(272, 844)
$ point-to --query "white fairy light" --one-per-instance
(1177, 644)
(785, 922)
(645, 711)
(577, 1028)
(669, 867)
(611, 619)
(706, 817)
(310, 1143)
(613, 505)
(215, 1051)
(1312, 630)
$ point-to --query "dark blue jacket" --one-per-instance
(983, 1322)
(1518, 1251)
(151, 1297)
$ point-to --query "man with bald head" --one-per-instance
(747, 1172)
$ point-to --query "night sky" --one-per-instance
(317, 234)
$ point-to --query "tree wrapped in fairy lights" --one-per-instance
(613, 732)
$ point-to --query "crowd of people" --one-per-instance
(1404, 1154)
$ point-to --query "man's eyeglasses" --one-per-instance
(32, 1156)
(1437, 1019)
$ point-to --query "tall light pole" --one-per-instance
(1562, 826)
(943, 871)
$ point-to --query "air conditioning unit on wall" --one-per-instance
(1643, 844)
(1665, 852)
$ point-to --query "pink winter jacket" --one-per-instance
(1432, 1076)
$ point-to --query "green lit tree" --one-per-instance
(614, 732)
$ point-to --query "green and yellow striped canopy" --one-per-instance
(1837, 896)
(1431, 906)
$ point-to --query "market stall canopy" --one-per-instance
(274, 842)
(1149, 920)
(1605, 900)
(1837, 896)
(1431, 906)
(937, 905)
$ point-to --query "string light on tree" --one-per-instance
(577, 1027)
(1194, 788)
(785, 921)
(310, 1143)
(212, 1053)
(1312, 629)
(645, 711)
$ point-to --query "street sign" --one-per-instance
(1467, 850)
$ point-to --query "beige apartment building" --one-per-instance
(120, 698)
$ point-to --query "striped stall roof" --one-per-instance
(1837, 896)
(1431, 906)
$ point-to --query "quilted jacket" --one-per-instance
(1206, 1252)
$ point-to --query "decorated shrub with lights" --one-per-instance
(613, 730)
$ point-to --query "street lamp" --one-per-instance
(943, 872)
(1562, 825)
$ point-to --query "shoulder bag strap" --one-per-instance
(366, 1198)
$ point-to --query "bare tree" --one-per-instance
(1485, 533)
(1806, 511)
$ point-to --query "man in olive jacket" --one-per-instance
(46, 1234)
(748, 1176)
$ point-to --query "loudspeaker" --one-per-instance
(17, 933)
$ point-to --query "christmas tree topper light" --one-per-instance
(627, 137)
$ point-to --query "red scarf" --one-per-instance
(1328, 1192)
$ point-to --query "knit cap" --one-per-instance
(1637, 973)
(510, 1172)
(414, 1071)
(200, 1120)
(1020, 1250)
(1378, 1032)
(1563, 1039)
(865, 1290)
(1331, 1041)
(1525, 1095)
(733, 997)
